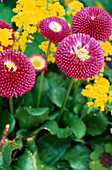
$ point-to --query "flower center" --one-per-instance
(82, 53)
(11, 66)
(36, 63)
(55, 26)
(92, 18)
(106, 159)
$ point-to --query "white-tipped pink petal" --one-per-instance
(79, 56)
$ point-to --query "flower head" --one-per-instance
(17, 74)
(93, 21)
(4, 25)
(101, 157)
(79, 56)
(39, 62)
(54, 29)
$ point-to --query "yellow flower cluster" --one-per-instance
(74, 6)
(99, 91)
(44, 47)
(110, 38)
(107, 48)
(29, 14)
(21, 40)
(5, 35)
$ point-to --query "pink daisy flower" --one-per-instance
(79, 56)
(17, 73)
(93, 21)
(54, 29)
(3, 25)
(39, 62)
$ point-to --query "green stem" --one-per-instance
(11, 106)
(39, 89)
(41, 78)
(65, 100)
(48, 50)
(75, 92)
(110, 107)
(25, 98)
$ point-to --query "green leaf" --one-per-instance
(110, 89)
(54, 129)
(30, 161)
(32, 48)
(6, 152)
(100, 140)
(108, 148)
(77, 125)
(95, 124)
(55, 80)
(44, 101)
(57, 95)
(6, 13)
(31, 144)
(110, 78)
(31, 117)
(95, 165)
(11, 3)
(63, 165)
(88, 3)
(78, 157)
(51, 148)
(98, 150)
(6, 118)
(108, 71)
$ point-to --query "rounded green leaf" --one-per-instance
(6, 118)
(95, 124)
(29, 117)
(78, 157)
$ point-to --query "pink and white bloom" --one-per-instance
(39, 62)
(93, 21)
(79, 56)
(54, 29)
(17, 73)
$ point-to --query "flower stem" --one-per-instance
(11, 106)
(65, 100)
(39, 89)
(75, 92)
(41, 78)
(25, 98)
(48, 50)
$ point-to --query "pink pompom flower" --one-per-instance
(93, 21)
(54, 29)
(17, 74)
(3, 25)
(39, 62)
(79, 56)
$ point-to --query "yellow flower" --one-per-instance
(30, 13)
(89, 103)
(44, 46)
(111, 130)
(76, 5)
(51, 58)
(5, 35)
(110, 38)
(107, 48)
(99, 92)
